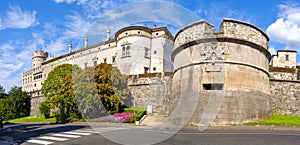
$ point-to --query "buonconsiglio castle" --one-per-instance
(230, 73)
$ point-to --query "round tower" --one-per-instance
(38, 57)
(226, 71)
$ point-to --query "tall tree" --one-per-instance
(16, 104)
(2, 92)
(84, 85)
(57, 88)
(101, 89)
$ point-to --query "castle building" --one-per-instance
(284, 58)
(134, 50)
(221, 77)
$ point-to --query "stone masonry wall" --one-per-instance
(285, 97)
(151, 89)
(285, 92)
(35, 102)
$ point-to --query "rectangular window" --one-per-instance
(95, 63)
(213, 86)
(147, 53)
(146, 70)
(286, 57)
(128, 51)
(85, 65)
(123, 51)
(113, 59)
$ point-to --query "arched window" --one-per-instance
(123, 51)
(128, 51)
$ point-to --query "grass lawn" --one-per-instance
(278, 119)
(40, 118)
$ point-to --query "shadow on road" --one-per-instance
(21, 132)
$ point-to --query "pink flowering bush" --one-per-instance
(123, 117)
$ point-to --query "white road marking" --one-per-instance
(86, 131)
(40, 141)
(66, 135)
(107, 129)
(77, 133)
(53, 138)
(236, 133)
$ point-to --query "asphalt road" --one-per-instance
(83, 134)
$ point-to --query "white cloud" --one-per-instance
(14, 61)
(64, 1)
(272, 50)
(286, 29)
(17, 18)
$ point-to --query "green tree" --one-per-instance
(2, 92)
(16, 104)
(45, 109)
(86, 94)
(101, 89)
(2, 103)
(58, 91)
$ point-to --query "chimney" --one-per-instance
(85, 41)
(107, 34)
(70, 47)
(154, 25)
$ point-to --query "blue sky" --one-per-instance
(26, 26)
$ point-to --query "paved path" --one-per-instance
(83, 134)
(61, 137)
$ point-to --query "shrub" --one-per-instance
(139, 113)
(124, 117)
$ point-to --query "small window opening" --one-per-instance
(147, 53)
(146, 70)
(85, 65)
(113, 59)
(286, 57)
(213, 86)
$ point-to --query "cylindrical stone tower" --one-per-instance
(228, 70)
(38, 57)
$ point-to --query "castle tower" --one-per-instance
(70, 47)
(85, 41)
(38, 57)
(107, 33)
(225, 72)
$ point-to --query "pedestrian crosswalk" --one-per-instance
(52, 138)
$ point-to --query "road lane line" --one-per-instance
(53, 138)
(237, 133)
(77, 133)
(86, 131)
(66, 135)
(40, 142)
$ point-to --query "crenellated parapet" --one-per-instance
(229, 28)
(243, 31)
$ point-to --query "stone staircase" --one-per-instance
(153, 119)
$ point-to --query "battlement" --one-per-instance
(40, 53)
(229, 29)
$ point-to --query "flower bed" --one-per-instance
(123, 117)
